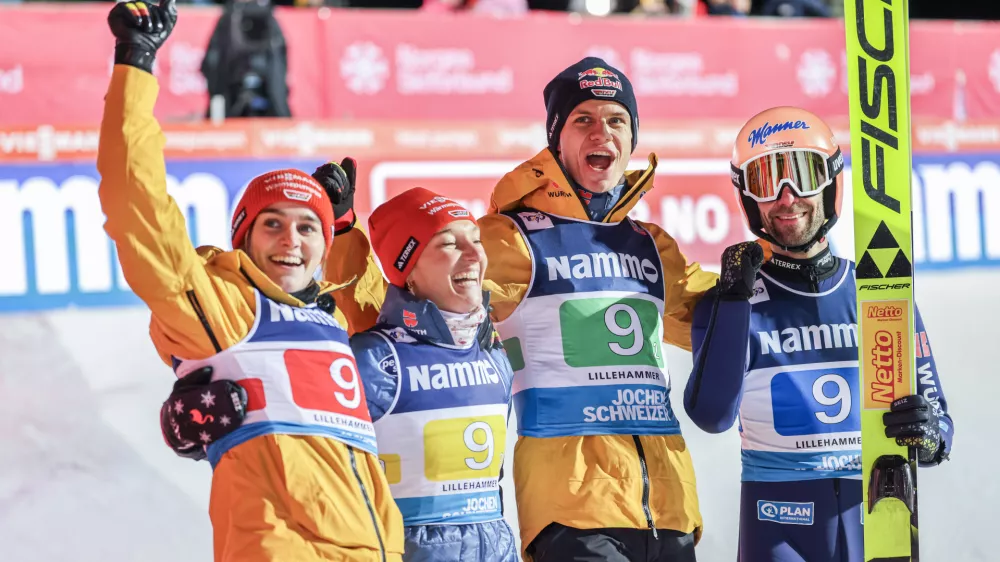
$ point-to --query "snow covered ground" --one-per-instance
(85, 476)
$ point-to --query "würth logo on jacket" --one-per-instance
(410, 319)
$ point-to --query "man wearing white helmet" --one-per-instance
(775, 344)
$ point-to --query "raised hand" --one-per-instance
(140, 28)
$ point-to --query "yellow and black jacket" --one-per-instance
(274, 497)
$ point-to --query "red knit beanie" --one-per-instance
(402, 227)
(280, 186)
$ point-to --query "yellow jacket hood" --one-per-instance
(540, 183)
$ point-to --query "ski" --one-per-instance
(879, 93)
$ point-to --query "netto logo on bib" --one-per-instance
(406, 254)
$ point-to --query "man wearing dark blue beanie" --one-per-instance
(582, 296)
(592, 123)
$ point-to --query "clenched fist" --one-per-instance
(140, 28)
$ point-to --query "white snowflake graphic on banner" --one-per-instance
(995, 69)
(364, 68)
(816, 73)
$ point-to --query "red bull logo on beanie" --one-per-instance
(598, 72)
(599, 78)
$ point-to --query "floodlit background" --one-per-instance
(450, 101)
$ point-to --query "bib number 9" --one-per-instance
(327, 381)
(841, 398)
(464, 448)
(605, 332)
(476, 447)
(815, 401)
(633, 329)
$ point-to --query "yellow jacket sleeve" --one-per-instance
(194, 316)
(684, 284)
(352, 261)
(508, 271)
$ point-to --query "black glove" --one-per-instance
(338, 180)
(913, 422)
(200, 412)
(140, 28)
(740, 264)
(487, 336)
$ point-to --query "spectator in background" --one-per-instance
(796, 9)
(491, 7)
(727, 7)
(246, 63)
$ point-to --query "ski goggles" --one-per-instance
(807, 172)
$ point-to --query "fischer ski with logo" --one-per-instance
(879, 93)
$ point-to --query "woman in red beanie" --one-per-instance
(299, 479)
(438, 387)
(437, 383)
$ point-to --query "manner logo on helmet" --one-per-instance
(604, 93)
(297, 195)
(760, 134)
(459, 213)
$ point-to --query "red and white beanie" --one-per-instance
(281, 186)
(402, 227)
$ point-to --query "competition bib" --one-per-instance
(800, 411)
(586, 340)
(442, 442)
(300, 376)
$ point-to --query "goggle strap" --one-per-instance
(737, 177)
(834, 164)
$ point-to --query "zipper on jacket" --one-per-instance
(813, 281)
(368, 503)
(193, 299)
(700, 367)
(645, 485)
(626, 197)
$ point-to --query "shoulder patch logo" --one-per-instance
(534, 220)
(388, 365)
(759, 292)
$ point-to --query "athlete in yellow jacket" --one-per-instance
(582, 296)
(300, 479)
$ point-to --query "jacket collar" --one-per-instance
(421, 318)
(540, 184)
(238, 260)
